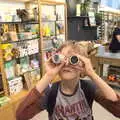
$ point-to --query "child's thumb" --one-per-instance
(61, 65)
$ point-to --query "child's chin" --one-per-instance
(67, 77)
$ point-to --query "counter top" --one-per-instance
(109, 55)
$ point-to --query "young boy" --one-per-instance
(71, 98)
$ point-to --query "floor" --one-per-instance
(99, 114)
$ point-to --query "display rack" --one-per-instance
(55, 26)
(19, 28)
(112, 19)
(50, 35)
(8, 111)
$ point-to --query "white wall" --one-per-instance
(9, 8)
(10, 5)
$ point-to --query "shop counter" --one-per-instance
(107, 58)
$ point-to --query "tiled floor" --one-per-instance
(99, 114)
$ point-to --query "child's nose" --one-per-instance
(66, 61)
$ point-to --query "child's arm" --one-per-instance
(113, 107)
(51, 71)
(31, 105)
(106, 90)
(35, 101)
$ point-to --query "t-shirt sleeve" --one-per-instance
(89, 88)
(33, 103)
(112, 107)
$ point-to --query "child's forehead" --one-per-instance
(68, 50)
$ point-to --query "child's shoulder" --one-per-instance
(88, 84)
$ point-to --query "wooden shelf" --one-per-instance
(34, 22)
(32, 70)
(19, 41)
(51, 20)
(28, 55)
(17, 1)
(21, 57)
(1, 92)
(48, 49)
(49, 38)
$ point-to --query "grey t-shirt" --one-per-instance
(71, 107)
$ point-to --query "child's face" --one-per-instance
(68, 72)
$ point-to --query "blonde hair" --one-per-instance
(76, 46)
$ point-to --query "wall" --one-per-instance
(10, 5)
(9, 8)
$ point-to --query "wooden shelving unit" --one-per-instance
(15, 24)
(5, 42)
(36, 22)
(41, 39)
(8, 111)
(5, 85)
(42, 21)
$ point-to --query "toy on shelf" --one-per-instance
(60, 28)
(7, 54)
(27, 14)
(15, 85)
(112, 78)
(46, 31)
(10, 36)
(10, 69)
(15, 52)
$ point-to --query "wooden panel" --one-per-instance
(7, 113)
(115, 62)
(16, 0)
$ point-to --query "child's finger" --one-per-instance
(49, 59)
(61, 65)
(82, 58)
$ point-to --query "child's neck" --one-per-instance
(69, 87)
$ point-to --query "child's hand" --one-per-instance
(84, 66)
(87, 65)
(53, 69)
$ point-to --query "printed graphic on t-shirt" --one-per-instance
(72, 111)
(72, 108)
